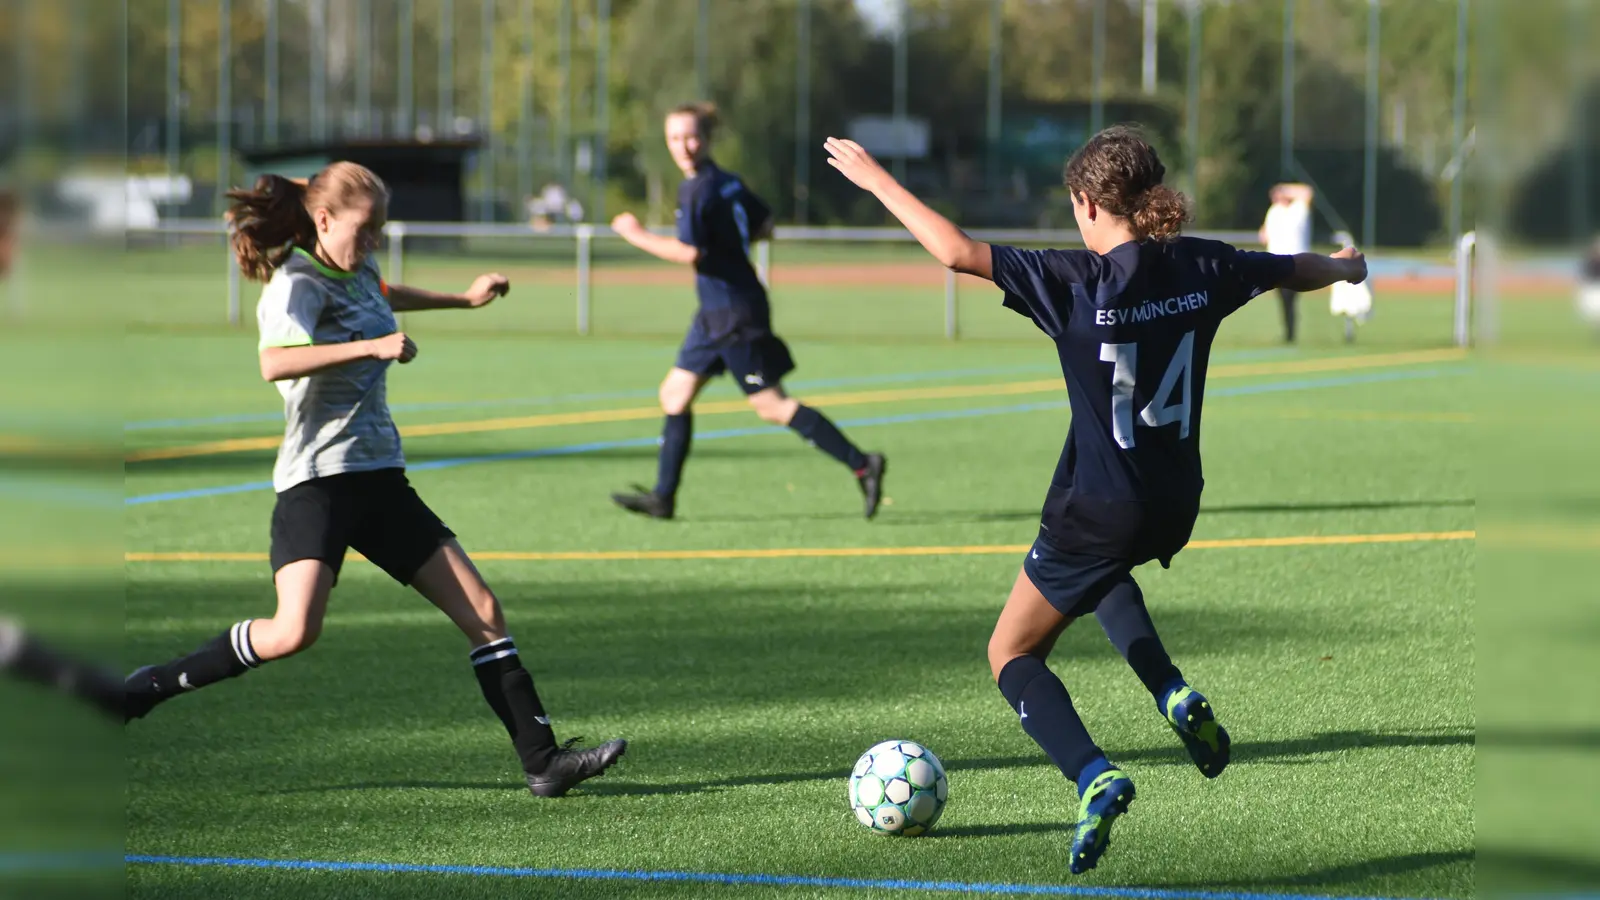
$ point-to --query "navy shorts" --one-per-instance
(756, 362)
(1074, 583)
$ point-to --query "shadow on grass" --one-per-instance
(1403, 864)
(1245, 753)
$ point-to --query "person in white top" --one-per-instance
(1287, 230)
(1589, 286)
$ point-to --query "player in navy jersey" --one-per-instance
(718, 218)
(1133, 318)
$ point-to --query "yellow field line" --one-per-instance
(1358, 415)
(1304, 540)
(948, 392)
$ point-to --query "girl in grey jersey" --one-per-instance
(328, 339)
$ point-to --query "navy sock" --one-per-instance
(228, 655)
(508, 688)
(1046, 712)
(815, 427)
(675, 439)
(1127, 623)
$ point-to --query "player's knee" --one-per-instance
(772, 412)
(284, 637)
(777, 410)
(1002, 650)
(674, 400)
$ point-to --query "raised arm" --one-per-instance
(628, 227)
(1313, 271)
(948, 243)
(483, 291)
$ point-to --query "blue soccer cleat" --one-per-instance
(1108, 796)
(1191, 716)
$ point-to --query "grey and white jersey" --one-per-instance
(338, 419)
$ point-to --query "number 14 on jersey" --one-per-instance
(1161, 410)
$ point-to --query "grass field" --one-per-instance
(753, 648)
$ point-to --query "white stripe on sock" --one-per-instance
(478, 661)
(489, 646)
(239, 636)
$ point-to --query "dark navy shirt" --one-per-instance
(719, 216)
(1133, 329)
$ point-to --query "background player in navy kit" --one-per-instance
(1133, 318)
(718, 218)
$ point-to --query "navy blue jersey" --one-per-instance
(719, 216)
(1133, 329)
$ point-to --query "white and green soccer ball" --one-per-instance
(898, 787)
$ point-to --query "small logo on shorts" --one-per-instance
(183, 681)
(1035, 554)
(755, 378)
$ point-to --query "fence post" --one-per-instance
(585, 248)
(395, 273)
(1465, 247)
(397, 259)
(764, 262)
(951, 330)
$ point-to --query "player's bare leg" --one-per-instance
(451, 582)
(774, 405)
(677, 395)
(1023, 637)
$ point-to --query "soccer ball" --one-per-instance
(898, 787)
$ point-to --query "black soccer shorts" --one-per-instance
(377, 513)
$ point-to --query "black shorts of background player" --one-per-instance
(340, 475)
(1133, 317)
(718, 218)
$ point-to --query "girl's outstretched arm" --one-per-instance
(948, 243)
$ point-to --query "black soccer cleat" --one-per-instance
(568, 767)
(140, 694)
(871, 481)
(646, 503)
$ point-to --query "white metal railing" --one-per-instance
(1465, 257)
(583, 235)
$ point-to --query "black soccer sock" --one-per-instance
(815, 427)
(676, 435)
(509, 689)
(1046, 713)
(1127, 623)
(228, 655)
(29, 659)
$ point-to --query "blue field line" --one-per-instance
(904, 418)
(729, 878)
(641, 393)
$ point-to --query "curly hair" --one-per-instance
(1119, 170)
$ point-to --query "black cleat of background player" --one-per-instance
(569, 767)
(871, 480)
(646, 503)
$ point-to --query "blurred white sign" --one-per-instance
(120, 202)
(891, 137)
